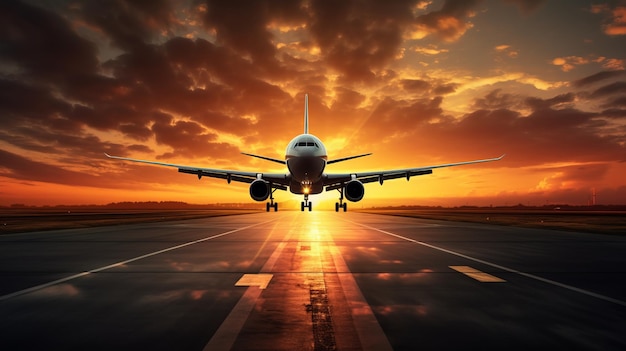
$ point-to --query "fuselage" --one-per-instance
(306, 159)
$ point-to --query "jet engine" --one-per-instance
(260, 190)
(354, 190)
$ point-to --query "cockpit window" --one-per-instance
(307, 143)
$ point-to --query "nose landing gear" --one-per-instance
(306, 203)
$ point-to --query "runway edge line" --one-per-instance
(96, 270)
(510, 270)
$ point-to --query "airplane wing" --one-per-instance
(278, 180)
(336, 181)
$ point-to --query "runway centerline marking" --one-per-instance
(510, 270)
(477, 275)
(225, 336)
(96, 270)
(370, 333)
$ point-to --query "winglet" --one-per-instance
(306, 113)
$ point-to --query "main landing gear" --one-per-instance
(341, 204)
(306, 203)
(271, 204)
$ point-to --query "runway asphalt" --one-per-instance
(312, 281)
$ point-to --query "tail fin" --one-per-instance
(306, 113)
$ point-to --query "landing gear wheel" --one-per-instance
(341, 204)
(306, 203)
(271, 204)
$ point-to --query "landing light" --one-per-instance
(306, 189)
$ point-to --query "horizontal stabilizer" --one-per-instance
(282, 162)
(346, 158)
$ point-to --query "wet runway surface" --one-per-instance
(312, 281)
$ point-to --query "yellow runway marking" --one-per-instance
(260, 280)
(478, 275)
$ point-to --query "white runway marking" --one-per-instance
(510, 270)
(478, 275)
(75, 276)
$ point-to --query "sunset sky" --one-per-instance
(414, 82)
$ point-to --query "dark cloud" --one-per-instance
(18, 167)
(392, 117)
(593, 172)
(546, 135)
(541, 104)
(426, 87)
(597, 77)
(190, 139)
(617, 102)
(496, 100)
(553, 132)
(415, 85)
(33, 102)
(359, 37)
(38, 41)
(610, 89)
(445, 89)
(242, 25)
(129, 24)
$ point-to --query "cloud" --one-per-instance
(415, 84)
(358, 38)
(541, 104)
(243, 26)
(450, 22)
(597, 77)
(617, 25)
(506, 50)
(18, 167)
(568, 63)
(37, 41)
(616, 102)
(429, 50)
(496, 100)
(610, 89)
(129, 25)
(190, 139)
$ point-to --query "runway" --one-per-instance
(312, 281)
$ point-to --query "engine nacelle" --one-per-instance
(260, 190)
(354, 190)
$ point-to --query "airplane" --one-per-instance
(306, 160)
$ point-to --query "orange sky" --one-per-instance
(414, 82)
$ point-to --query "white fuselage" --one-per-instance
(306, 159)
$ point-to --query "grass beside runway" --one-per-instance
(604, 222)
(27, 220)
